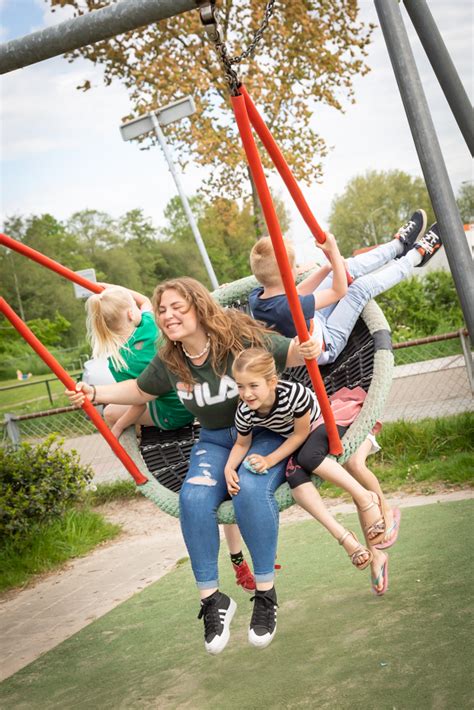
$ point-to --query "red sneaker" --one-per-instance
(244, 577)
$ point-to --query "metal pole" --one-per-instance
(87, 29)
(184, 200)
(429, 154)
(443, 67)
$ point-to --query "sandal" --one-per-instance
(391, 535)
(358, 552)
(376, 580)
(380, 525)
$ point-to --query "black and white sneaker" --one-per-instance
(264, 618)
(411, 231)
(429, 244)
(217, 612)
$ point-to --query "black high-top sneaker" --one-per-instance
(264, 618)
(429, 244)
(217, 612)
(411, 231)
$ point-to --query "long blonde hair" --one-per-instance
(105, 316)
(229, 330)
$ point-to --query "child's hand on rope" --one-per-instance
(330, 247)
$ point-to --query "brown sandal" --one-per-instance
(380, 525)
(360, 550)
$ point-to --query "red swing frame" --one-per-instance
(51, 361)
(247, 115)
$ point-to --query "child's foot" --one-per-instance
(217, 611)
(393, 526)
(411, 231)
(244, 577)
(373, 517)
(428, 245)
(360, 556)
(264, 618)
(379, 573)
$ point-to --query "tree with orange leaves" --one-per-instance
(309, 54)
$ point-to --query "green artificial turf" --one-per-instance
(337, 646)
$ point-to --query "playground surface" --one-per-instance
(37, 619)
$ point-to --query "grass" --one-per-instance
(52, 544)
(417, 454)
(32, 398)
(430, 351)
(109, 492)
(337, 645)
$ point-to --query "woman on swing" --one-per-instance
(200, 341)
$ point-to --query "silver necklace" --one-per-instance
(203, 352)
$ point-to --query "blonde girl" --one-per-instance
(291, 410)
(122, 328)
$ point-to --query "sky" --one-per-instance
(61, 150)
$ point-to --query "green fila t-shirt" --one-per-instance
(167, 412)
(213, 398)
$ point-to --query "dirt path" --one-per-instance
(56, 606)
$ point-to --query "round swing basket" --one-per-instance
(367, 361)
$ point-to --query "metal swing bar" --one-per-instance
(68, 382)
(93, 27)
(430, 155)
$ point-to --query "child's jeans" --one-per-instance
(255, 507)
(338, 320)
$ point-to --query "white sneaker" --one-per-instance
(217, 612)
(264, 618)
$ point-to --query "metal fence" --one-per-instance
(433, 377)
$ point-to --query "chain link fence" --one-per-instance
(433, 377)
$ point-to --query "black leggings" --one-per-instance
(311, 455)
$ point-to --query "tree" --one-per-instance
(374, 205)
(163, 62)
(465, 202)
(227, 232)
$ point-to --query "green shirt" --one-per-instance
(167, 412)
(212, 398)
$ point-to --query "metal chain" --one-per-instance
(258, 34)
(210, 20)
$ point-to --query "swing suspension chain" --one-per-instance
(210, 20)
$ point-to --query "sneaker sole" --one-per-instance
(223, 640)
(260, 641)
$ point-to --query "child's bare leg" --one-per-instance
(310, 500)
(356, 465)
(120, 416)
(233, 538)
(330, 470)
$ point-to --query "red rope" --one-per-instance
(253, 157)
(68, 382)
(49, 263)
(283, 168)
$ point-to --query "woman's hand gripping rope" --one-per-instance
(78, 396)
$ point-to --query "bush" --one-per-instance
(419, 307)
(37, 484)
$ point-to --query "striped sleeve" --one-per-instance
(243, 421)
(303, 401)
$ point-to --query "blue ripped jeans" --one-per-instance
(256, 511)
